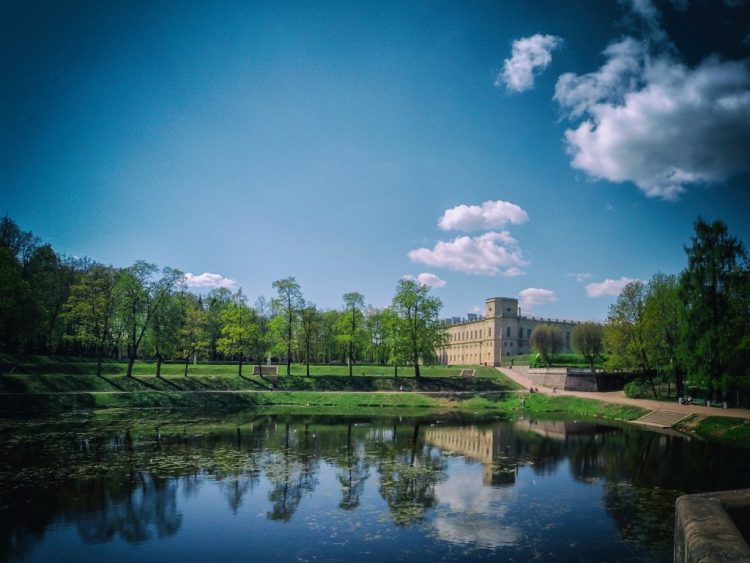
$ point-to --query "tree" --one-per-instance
(376, 330)
(14, 292)
(350, 324)
(547, 340)
(215, 302)
(713, 288)
(418, 330)
(625, 336)
(237, 330)
(90, 309)
(663, 318)
(393, 344)
(161, 337)
(191, 336)
(260, 338)
(309, 328)
(141, 296)
(288, 304)
(588, 340)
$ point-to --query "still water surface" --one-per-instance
(281, 488)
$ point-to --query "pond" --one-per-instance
(279, 488)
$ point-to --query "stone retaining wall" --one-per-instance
(706, 527)
(571, 379)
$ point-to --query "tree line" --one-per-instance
(54, 305)
(692, 327)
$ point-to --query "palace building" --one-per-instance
(501, 333)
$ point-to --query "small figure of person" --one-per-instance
(554, 389)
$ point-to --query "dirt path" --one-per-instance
(619, 398)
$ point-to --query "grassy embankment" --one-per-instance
(44, 385)
(725, 429)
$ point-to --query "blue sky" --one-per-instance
(501, 147)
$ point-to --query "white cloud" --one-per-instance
(532, 296)
(608, 287)
(490, 254)
(651, 120)
(580, 276)
(207, 280)
(530, 56)
(490, 215)
(428, 279)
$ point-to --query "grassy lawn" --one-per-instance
(733, 430)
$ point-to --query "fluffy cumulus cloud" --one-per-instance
(490, 254)
(529, 57)
(649, 119)
(428, 279)
(489, 215)
(608, 287)
(533, 296)
(207, 280)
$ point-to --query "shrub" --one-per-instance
(638, 389)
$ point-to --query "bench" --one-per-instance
(266, 370)
(467, 373)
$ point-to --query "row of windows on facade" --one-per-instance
(478, 334)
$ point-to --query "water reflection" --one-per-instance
(528, 489)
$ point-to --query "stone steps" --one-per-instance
(662, 419)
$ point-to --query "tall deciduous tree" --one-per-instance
(309, 331)
(192, 338)
(588, 340)
(14, 292)
(547, 340)
(90, 309)
(625, 336)
(418, 330)
(663, 319)
(712, 286)
(260, 339)
(351, 324)
(288, 303)
(237, 330)
(161, 337)
(215, 302)
(141, 296)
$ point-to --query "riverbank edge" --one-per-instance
(503, 400)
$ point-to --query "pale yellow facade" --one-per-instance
(502, 333)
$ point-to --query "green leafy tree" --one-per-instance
(14, 292)
(309, 331)
(161, 337)
(418, 331)
(192, 337)
(288, 304)
(260, 339)
(663, 319)
(714, 288)
(547, 341)
(351, 324)
(237, 330)
(91, 307)
(330, 345)
(215, 302)
(141, 295)
(376, 331)
(625, 336)
(588, 340)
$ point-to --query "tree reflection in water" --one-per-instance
(128, 481)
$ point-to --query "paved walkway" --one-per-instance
(618, 397)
